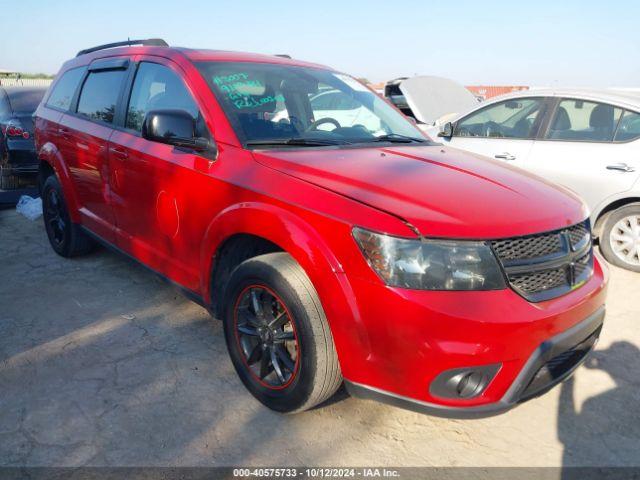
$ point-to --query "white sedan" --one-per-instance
(586, 140)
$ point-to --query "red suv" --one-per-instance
(336, 242)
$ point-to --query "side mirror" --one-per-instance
(175, 127)
(446, 131)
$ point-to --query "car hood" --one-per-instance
(431, 98)
(441, 191)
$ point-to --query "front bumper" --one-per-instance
(565, 351)
(405, 341)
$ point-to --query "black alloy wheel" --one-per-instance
(266, 337)
(55, 217)
(66, 238)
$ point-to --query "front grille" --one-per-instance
(527, 247)
(547, 265)
(537, 282)
(558, 367)
(577, 232)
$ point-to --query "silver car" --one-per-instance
(586, 140)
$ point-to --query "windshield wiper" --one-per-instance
(302, 142)
(398, 138)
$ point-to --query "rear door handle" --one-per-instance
(621, 167)
(118, 152)
(64, 133)
(505, 156)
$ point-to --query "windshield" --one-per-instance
(270, 104)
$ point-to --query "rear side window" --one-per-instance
(99, 95)
(65, 88)
(5, 111)
(629, 127)
(579, 120)
(25, 100)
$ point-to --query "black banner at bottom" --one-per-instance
(307, 473)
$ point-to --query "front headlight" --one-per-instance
(430, 264)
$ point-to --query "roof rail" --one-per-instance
(156, 42)
(282, 55)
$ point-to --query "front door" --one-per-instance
(154, 184)
(503, 131)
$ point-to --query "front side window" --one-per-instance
(270, 102)
(157, 87)
(629, 127)
(64, 90)
(515, 118)
(580, 120)
(99, 95)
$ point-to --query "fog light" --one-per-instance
(463, 383)
(470, 384)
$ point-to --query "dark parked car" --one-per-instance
(18, 161)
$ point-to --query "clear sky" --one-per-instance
(567, 43)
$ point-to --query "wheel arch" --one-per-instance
(50, 161)
(266, 227)
(606, 209)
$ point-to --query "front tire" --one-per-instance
(66, 238)
(620, 240)
(278, 336)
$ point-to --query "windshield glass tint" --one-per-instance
(282, 102)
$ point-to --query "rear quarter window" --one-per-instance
(65, 88)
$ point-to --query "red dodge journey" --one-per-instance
(336, 242)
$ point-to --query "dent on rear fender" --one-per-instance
(298, 238)
(50, 154)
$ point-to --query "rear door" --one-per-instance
(590, 147)
(86, 130)
(504, 130)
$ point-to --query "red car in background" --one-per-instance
(333, 252)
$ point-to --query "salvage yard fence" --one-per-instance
(25, 82)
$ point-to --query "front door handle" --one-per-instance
(64, 133)
(118, 152)
(505, 156)
(621, 167)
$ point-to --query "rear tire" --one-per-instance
(620, 239)
(306, 371)
(66, 238)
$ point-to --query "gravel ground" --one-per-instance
(103, 364)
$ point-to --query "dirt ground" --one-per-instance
(103, 364)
